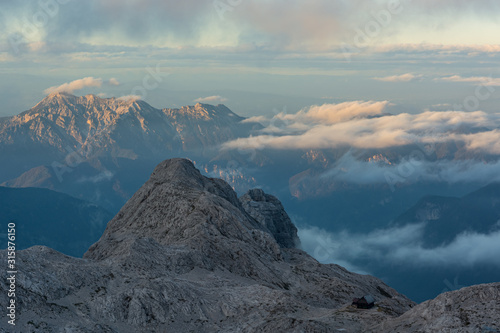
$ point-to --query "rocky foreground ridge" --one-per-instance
(186, 255)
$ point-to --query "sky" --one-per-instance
(256, 56)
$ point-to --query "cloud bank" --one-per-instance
(401, 245)
(366, 125)
(411, 169)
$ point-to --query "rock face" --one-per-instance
(183, 255)
(471, 309)
(269, 212)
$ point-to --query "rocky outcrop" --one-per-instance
(269, 212)
(183, 255)
(471, 309)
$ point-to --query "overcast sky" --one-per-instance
(254, 55)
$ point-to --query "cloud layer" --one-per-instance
(401, 245)
(365, 125)
(477, 80)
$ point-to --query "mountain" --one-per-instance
(447, 217)
(183, 255)
(70, 144)
(53, 219)
(63, 126)
(204, 126)
(103, 150)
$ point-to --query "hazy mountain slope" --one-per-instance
(53, 219)
(447, 217)
(183, 255)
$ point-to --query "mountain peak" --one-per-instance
(56, 97)
(184, 255)
(178, 205)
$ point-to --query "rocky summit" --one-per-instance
(186, 255)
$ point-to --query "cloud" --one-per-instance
(402, 245)
(278, 24)
(478, 80)
(256, 119)
(113, 82)
(211, 99)
(75, 85)
(129, 98)
(336, 113)
(399, 78)
(444, 49)
(80, 84)
(411, 169)
(366, 125)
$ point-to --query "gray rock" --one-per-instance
(470, 309)
(269, 212)
(183, 255)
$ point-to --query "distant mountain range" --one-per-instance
(67, 142)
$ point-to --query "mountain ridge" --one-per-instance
(184, 255)
(93, 127)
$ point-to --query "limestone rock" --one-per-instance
(269, 212)
(470, 309)
(183, 255)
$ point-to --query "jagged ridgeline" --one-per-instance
(186, 255)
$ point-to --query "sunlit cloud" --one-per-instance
(87, 82)
(482, 80)
(211, 99)
(366, 125)
(129, 98)
(75, 85)
(113, 82)
(399, 78)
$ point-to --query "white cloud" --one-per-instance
(113, 82)
(335, 113)
(413, 168)
(399, 78)
(469, 49)
(256, 119)
(129, 98)
(479, 80)
(75, 85)
(87, 82)
(366, 125)
(211, 99)
(402, 245)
